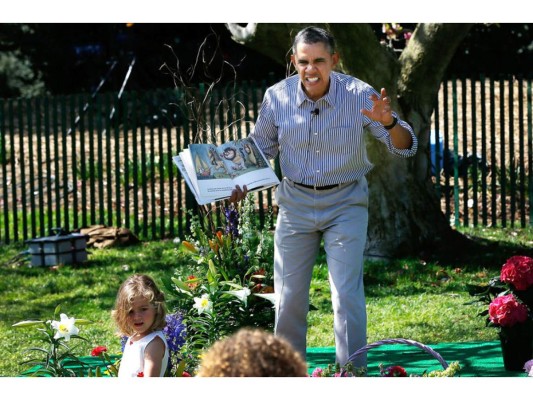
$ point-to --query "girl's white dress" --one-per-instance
(132, 363)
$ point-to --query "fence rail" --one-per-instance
(73, 161)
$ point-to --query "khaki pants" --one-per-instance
(306, 216)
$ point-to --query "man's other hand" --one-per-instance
(238, 194)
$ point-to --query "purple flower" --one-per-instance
(174, 332)
(123, 341)
(232, 221)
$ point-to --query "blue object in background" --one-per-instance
(436, 149)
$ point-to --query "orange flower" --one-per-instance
(213, 245)
(192, 285)
(189, 246)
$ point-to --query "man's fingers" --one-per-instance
(238, 194)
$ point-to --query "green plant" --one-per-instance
(227, 282)
(111, 367)
(57, 358)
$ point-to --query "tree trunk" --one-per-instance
(405, 217)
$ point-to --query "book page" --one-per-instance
(212, 172)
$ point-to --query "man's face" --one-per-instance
(314, 64)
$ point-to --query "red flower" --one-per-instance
(506, 311)
(395, 371)
(185, 374)
(518, 270)
(140, 375)
(98, 350)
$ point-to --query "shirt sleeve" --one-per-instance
(381, 134)
(265, 132)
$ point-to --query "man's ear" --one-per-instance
(335, 58)
(293, 60)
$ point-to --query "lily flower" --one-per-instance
(65, 328)
(242, 294)
(269, 296)
(203, 304)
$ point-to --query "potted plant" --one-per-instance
(510, 305)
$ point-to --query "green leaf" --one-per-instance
(181, 285)
(57, 310)
(83, 321)
(232, 284)
(27, 324)
(180, 368)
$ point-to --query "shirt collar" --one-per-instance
(328, 99)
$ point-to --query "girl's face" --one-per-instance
(141, 316)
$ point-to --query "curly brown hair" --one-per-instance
(133, 287)
(252, 353)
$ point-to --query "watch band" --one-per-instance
(392, 125)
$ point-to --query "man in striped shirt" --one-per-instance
(315, 121)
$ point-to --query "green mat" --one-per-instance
(477, 359)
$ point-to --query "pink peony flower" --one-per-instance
(317, 373)
(506, 311)
(518, 271)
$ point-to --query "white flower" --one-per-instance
(65, 328)
(242, 294)
(269, 296)
(203, 304)
(528, 367)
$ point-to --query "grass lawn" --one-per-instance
(423, 300)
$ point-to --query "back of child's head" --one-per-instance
(252, 353)
(133, 288)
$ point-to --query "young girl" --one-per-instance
(140, 314)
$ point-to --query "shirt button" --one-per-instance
(317, 171)
(316, 133)
(318, 151)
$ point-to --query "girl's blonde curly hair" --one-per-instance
(252, 353)
(133, 287)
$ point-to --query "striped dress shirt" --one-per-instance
(321, 143)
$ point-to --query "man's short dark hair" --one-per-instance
(314, 34)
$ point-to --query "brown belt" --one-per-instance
(327, 187)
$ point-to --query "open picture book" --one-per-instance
(212, 172)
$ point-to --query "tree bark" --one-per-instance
(405, 217)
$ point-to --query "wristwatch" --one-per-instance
(392, 125)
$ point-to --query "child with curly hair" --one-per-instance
(252, 353)
(140, 314)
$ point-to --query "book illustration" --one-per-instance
(207, 162)
(236, 160)
(212, 172)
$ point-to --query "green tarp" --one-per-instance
(477, 359)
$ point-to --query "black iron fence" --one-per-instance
(481, 146)
(75, 161)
